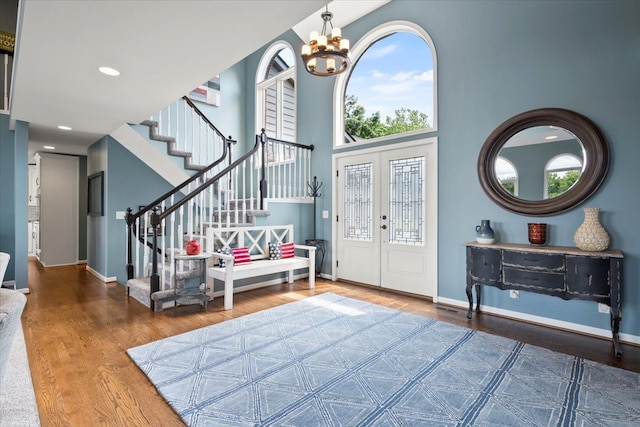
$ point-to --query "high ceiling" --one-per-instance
(163, 49)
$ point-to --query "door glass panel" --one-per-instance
(358, 203)
(406, 201)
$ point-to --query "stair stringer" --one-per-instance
(171, 146)
(145, 151)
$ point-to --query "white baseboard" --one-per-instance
(100, 276)
(8, 284)
(11, 284)
(544, 321)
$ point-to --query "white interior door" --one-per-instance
(387, 219)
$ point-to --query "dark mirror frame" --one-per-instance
(596, 156)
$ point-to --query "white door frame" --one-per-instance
(432, 186)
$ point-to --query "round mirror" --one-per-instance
(543, 161)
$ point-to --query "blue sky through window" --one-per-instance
(394, 72)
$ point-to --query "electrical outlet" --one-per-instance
(514, 293)
(603, 308)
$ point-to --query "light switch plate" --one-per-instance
(120, 214)
(325, 214)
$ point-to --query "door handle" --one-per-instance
(384, 227)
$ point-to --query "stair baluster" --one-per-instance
(215, 196)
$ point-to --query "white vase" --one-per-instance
(591, 235)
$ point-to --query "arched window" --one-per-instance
(560, 174)
(507, 175)
(276, 93)
(391, 87)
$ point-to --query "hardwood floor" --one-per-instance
(77, 330)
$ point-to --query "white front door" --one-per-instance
(358, 254)
(387, 219)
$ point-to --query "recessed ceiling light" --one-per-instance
(64, 127)
(109, 71)
(49, 147)
(551, 137)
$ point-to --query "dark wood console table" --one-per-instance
(564, 272)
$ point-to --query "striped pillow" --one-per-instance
(241, 255)
(287, 250)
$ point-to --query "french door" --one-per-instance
(386, 232)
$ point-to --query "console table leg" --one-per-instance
(615, 327)
(470, 298)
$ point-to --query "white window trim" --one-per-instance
(342, 79)
(261, 84)
(516, 179)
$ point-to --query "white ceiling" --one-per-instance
(163, 49)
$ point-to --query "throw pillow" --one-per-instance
(275, 251)
(287, 250)
(241, 255)
(226, 251)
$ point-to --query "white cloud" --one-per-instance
(401, 86)
(403, 76)
(378, 75)
(381, 52)
(427, 76)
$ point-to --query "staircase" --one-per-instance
(222, 193)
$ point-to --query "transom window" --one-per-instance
(391, 88)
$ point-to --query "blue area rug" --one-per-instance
(334, 361)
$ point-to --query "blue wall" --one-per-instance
(495, 60)
(97, 225)
(128, 183)
(229, 117)
(13, 199)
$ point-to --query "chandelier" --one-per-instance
(326, 54)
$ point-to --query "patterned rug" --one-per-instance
(334, 361)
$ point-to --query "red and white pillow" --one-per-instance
(287, 250)
(281, 250)
(241, 255)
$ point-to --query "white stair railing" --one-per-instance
(287, 171)
(191, 133)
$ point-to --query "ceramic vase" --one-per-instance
(484, 232)
(591, 235)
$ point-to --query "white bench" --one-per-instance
(257, 240)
